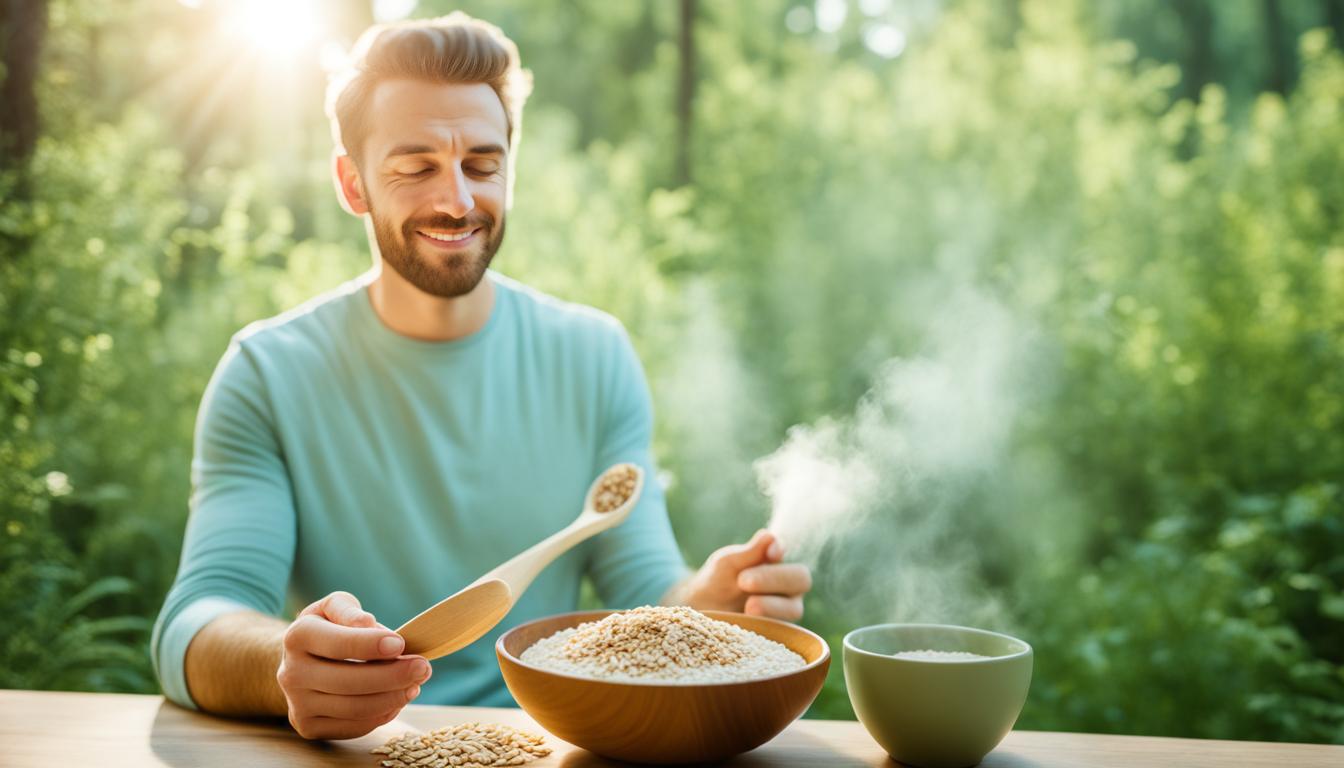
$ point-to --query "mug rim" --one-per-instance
(849, 645)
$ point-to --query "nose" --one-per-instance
(454, 197)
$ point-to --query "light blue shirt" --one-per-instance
(332, 453)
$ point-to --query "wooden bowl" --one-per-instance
(663, 722)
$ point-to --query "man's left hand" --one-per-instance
(749, 578)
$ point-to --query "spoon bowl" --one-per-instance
(458, 620)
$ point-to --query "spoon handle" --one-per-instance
(519, 571)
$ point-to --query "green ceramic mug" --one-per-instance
(945, 713)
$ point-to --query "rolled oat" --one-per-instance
(614, 488)
(468, 745)
(660, 645)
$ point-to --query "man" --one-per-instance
(383, 445)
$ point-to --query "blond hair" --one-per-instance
(450, 49)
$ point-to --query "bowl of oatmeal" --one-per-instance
(936, 695)
(663, 685)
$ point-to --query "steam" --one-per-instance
(878, 502)
(710, 407)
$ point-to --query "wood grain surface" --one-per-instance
(97, 730)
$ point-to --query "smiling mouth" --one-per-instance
(451, 240)
(448, 237)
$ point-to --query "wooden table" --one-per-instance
(103, 730)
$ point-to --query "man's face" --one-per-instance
(434, 171)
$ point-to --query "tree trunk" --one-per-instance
(1278, 55)
(1334, 16)
(1009, 23)
(1197, 64)
(23, 24)
(685, 90)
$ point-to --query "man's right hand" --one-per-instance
(342, 672)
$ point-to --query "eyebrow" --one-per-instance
(424, 149)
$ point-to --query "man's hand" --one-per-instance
(748, 578)
(342, 672)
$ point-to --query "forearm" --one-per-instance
(231, 663)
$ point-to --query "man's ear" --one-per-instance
(349, 190)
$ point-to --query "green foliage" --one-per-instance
(1167, 524)
(1251, 609)
(57, 643)
(78, 267)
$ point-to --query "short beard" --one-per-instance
(445, 276)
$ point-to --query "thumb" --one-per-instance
(341, 608)
(739, 556)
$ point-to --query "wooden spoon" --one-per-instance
(461, 618)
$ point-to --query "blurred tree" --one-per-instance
(22, 29)
(1197, 67)
(1279, 50)
(1333, 10)
(685, 88)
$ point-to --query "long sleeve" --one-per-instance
(240, 537)
(636, 562)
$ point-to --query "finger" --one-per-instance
(739, 556)
(775, 579)
(353, 678)
(362, 707)
(318, 727)
(775, 606)
(319, 637)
